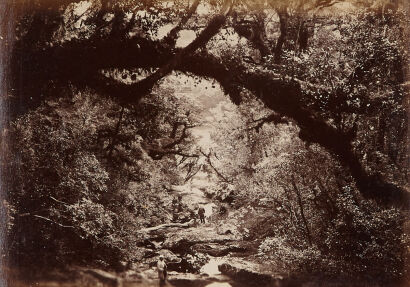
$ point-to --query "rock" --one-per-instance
(188, 279)
(249, 272)
(140, 254)
(228, 228)
(182, 240)
(225, 195)
(213, 249)
(191, 263)
(196, 261)
(242, 275)
(218, 250)
(169, 256)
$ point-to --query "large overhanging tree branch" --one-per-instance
(143, 87)
(81, 64)
(97, 55)
(272, 118)
(284, 97)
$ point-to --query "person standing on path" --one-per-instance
(162, 270)
(201, 213)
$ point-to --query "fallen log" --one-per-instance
(167, 225)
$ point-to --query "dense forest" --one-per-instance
(289, 117)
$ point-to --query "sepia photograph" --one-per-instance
(204, 143)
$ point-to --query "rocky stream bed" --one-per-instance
(196, 256)
(213, 254)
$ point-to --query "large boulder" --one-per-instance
(249, 272)
(197, 280)
(169, 256)
(217, 249)
(225, 227)
(181, 240)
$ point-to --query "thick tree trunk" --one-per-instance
(303, 36)
(254, 32)
(283, 20)
(302, 212)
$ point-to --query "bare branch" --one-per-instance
(208, 157)
(183, 136)
(192, 174)
(49, 220)
(272, 118)
(59, 201)
(171, 38)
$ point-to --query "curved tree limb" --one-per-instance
(281, 95)
(272, 118)
(171, 38)
(208, 158)
(144, 86)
